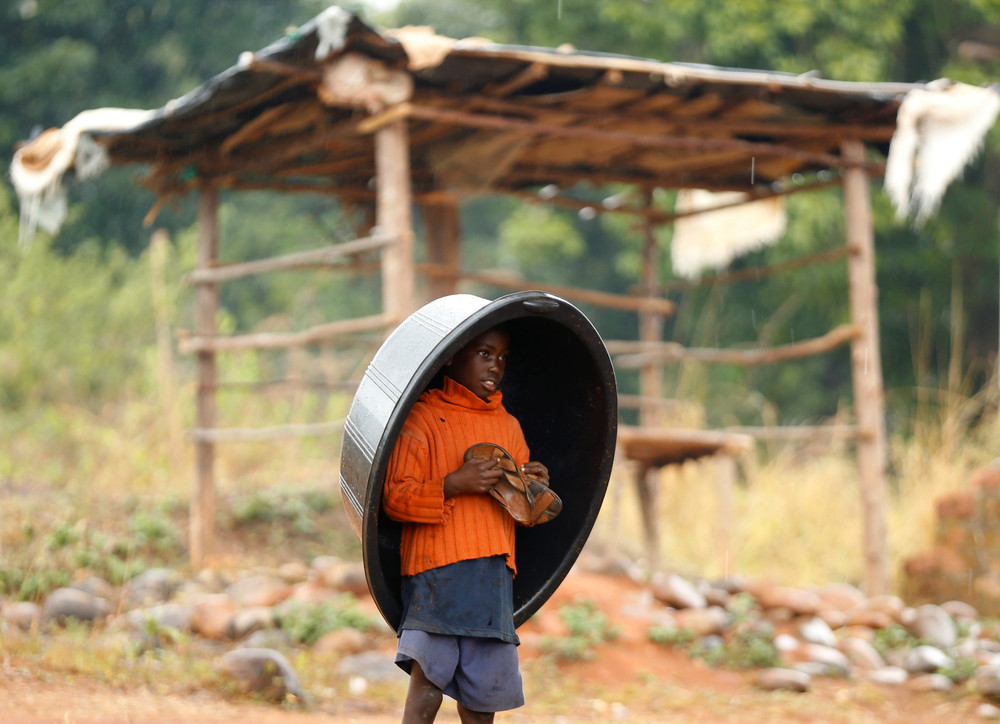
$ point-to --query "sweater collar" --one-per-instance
(458, 394)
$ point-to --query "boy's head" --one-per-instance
(480, 365)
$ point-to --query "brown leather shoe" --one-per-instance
(527, 499)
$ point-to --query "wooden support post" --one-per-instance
(394, 217)
(442, 241)
(202, 534)
(866, 367)
(650, 387)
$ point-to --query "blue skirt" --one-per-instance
(467, 598)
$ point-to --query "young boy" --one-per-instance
(457, 549)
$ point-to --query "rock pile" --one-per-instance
(831, 630)
(835, 630)
(242, 618)
(964, 561)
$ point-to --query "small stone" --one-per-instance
(252, 619)
(263, 672)
(266, 638)
(95, 586)
(840, 596)
(212, 615)
(931, 682)
(23, 614)
(815, 630)
(64, 604)
(890, 675)
(827, 656)
(800, 602)
(677, 592)
(258, 591)
(988, 681)
(372, 666)
(783, 680)
(861, 653)
(933, 624)
(702, 621)
(342, 641)
(155, 585)
(960, 611)
(926, 659)
(166, 615)
(987, 711)
(869, 618)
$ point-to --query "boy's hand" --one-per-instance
(477, 475)
(536, 470)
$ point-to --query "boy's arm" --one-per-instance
(407, 495)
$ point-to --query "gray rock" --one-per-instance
(927, 660)
(64, 604)
(95, 586)
(933, 624)
(988, 681)
(987, 711)
(267, 638)
(248, 620)
(372, 666)
(260, 590)
(828, 656)
(23, 614)
(960, 610)
(677, 592)
(176, 616)
(151, 587)
(264, 672)
(861, 653)
(702, 621)
(786, 642)
(931, 682)
(891, 675)
(783, 680)
(816, 631)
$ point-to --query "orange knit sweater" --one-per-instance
(440, 427)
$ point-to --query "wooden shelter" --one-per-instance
(388, 120)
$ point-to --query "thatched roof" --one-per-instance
(300, 113)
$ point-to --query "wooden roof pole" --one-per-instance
(866, 367)
(202, 530)
(394, 217)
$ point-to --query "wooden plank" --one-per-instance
(602, 299)
(630, 355)
(202, 344)
(303, 259)
(866, 371)
(257, 434)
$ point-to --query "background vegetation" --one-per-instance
(94, 401)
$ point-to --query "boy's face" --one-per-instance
(480, 364)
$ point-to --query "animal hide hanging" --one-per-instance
(712, 239)
(939, 129)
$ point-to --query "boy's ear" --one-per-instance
(449, 362)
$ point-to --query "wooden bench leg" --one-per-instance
(646, 490)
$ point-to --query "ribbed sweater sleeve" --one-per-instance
(432, 443)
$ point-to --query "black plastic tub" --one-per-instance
(561, 387)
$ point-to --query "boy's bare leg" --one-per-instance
(423, 699)
(474, 717)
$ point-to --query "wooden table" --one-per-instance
(651, 448)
